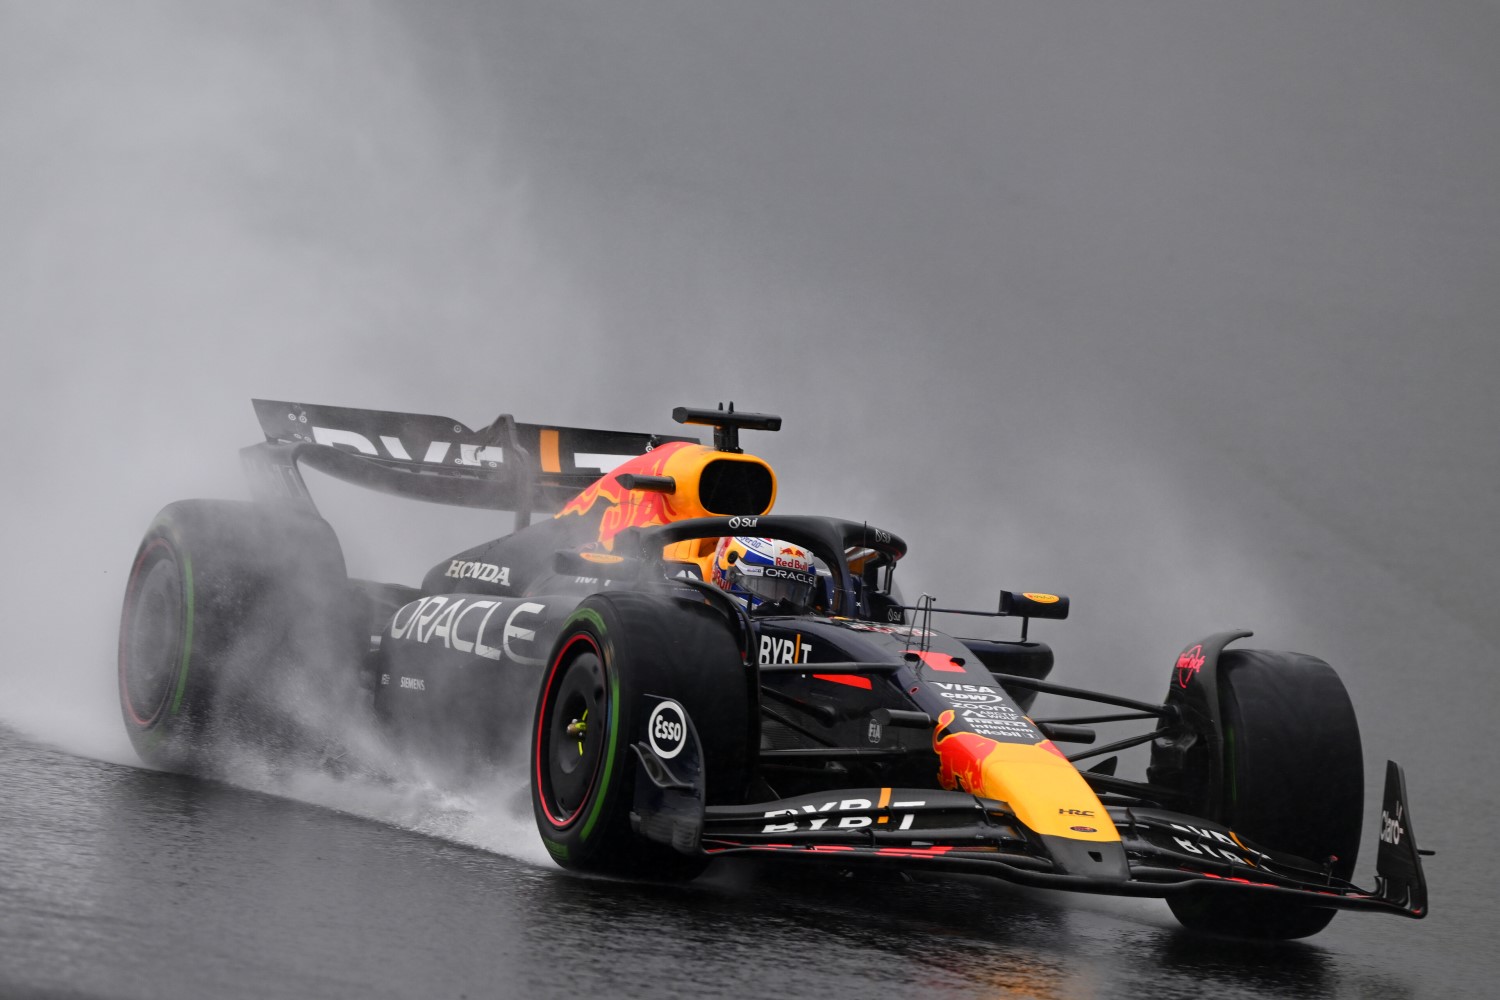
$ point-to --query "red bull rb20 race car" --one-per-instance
(693, 677)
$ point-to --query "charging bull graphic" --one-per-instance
(1035, 779)
(673, 482)
(622, 508)
(961, 756)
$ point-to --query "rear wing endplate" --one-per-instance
(505, 466)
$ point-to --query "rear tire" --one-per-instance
(614, 651)
(238, 628)
(1293, 782)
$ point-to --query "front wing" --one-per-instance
(1159, 853)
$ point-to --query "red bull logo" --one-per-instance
(624, 508)
(961, 756)
(791, 557)
(682, 462)
(1039, 784)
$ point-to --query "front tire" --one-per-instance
(1293, 781)
(614, 652)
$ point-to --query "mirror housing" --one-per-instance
(1033, 605)
(599, 565)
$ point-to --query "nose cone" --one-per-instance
(1041, 787)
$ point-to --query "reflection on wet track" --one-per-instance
(122, 882)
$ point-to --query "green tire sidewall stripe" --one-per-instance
(589, 615)
(613, 722)
(187, 623)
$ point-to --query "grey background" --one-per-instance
(1184, 309)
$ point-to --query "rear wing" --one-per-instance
(505, 466)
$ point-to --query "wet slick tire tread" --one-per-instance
(613, 651)
(238, 625)
(1293, 782)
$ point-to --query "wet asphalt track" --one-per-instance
(121, 882)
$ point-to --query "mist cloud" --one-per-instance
(1185, 312)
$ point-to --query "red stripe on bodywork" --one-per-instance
(853, 680)
(938, 661)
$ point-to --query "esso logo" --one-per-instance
(666, 729)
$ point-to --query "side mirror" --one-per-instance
(1033, 605)
(599, 565)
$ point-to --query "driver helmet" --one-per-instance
(766, 573)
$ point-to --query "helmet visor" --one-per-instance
(775, 584)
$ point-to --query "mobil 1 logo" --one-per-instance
(999, 722)
(666, 729)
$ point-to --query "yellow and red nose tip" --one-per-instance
(1041, 786)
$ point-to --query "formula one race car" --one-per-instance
(695, 677)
